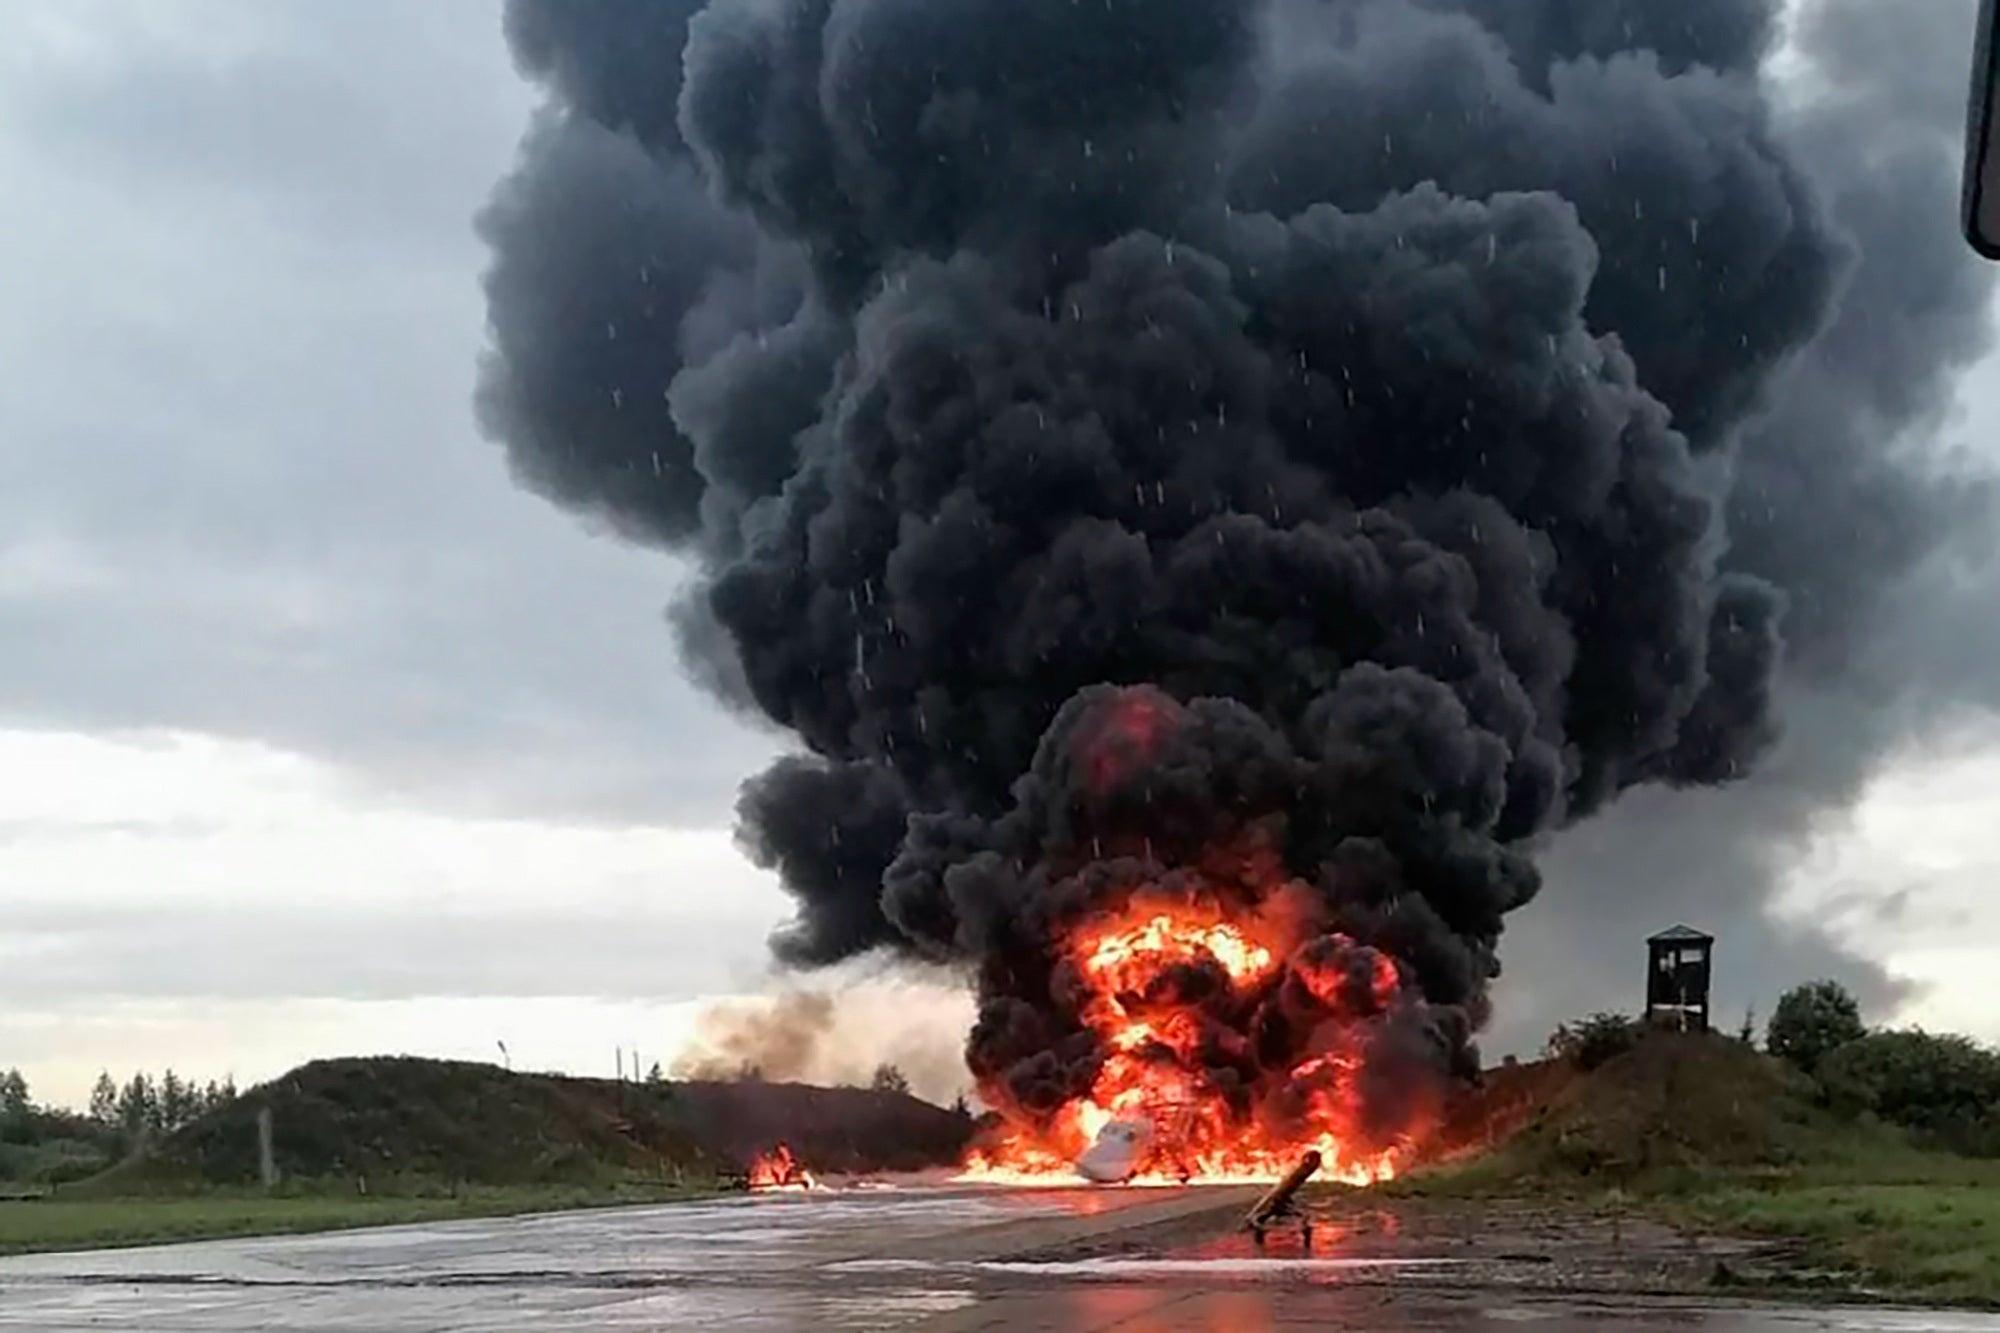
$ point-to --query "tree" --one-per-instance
(215, 1096)
(176, 1102)
(104, 1101)
(138, 1108)
(888, 1078)
(15, 1106)
(654, 1075)
(1811, 1021)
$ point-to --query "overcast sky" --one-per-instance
(319, 737)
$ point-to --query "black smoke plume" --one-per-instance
(1384, 400)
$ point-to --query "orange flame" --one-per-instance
(781, 1169)
(1148, 979)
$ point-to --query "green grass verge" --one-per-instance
(1872, 1214)
(1930, 1242)
(93, 1224)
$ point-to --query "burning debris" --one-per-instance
(781, 1169)
(1209, 484)
(1281, 1202)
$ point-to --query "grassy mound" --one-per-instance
(397, 1121)
(1678, 1103)
(1673, 1108)
(404, 1124)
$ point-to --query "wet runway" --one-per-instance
(928, 1260)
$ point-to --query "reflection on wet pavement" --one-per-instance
(942, 1261)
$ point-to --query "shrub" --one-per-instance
(1812, 1020)
(1944, 1087)
(1595, 1040)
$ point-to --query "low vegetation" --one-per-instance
(1594, 1040)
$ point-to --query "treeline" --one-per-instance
(42, 1145)
(146, 1106)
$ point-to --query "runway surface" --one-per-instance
(937, 1261)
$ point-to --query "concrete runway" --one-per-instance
(933, 1261)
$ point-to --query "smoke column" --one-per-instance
(825, 1038)
(1305, 452)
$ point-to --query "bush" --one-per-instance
(1812, 1020)
(1595, 1040)
(1944, 1087)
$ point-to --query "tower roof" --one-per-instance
(1681, 935)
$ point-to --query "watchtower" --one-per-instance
(1677, 975)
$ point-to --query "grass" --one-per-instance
(1933, 1241)
(1871, 1214)
(90, 1224)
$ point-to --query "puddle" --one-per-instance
(1117, 1268)
(1120, 1268)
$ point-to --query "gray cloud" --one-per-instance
(59, 956)
(244, 494)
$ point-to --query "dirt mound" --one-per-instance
(1672, 1103)
(1504, 1102)
(832, 1129)
(391, 1121)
